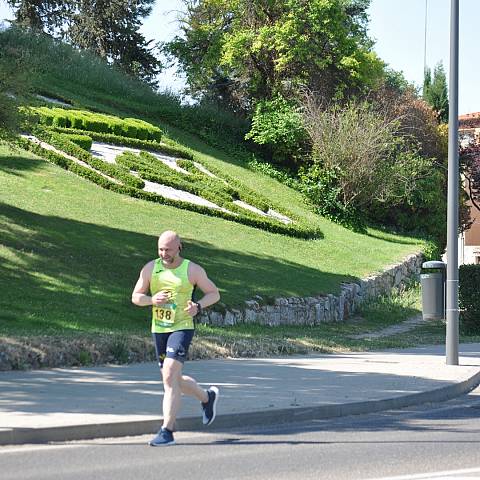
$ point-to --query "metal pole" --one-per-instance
(452, 198)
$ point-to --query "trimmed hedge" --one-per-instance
(247, 195)
(469, 298)
(83, 141)
(98, 122)
(61, 142)
(151, 168)
(112, 139)
(66, 163)
(298, 231)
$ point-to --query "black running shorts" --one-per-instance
(172, 345)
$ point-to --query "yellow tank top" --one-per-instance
(171, 316)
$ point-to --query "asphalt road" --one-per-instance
(439, 441)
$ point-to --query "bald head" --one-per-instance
(169, 247)
(169, 236)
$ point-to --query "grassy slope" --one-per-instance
(70, 252)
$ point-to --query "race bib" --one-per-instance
(164, 315)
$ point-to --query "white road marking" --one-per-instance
(444, 475)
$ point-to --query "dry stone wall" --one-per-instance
(325, 308)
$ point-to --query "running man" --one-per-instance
(167, 284)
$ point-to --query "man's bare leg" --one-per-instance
(172, 380)
(190, 387)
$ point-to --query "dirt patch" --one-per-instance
(24, 353)
(21, 353)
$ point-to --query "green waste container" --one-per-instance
(432, 280)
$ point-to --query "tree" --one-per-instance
(244, 51)
(40, 15)
(469, 157)
(435, 91)
(16, 69)
(108, 28)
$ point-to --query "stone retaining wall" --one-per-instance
(325, 308)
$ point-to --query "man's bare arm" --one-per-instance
(140, 295)
(199, 278)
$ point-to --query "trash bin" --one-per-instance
(432, 280)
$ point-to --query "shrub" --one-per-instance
(283, 176)
(129, 130)
(169, 148)
(278, 125)
(59, 120)
(46, 115)
(96, 125)
(469, 298)
(322, 187)
(383, 172)
(83, 141)
(77, 121)
(97, 122)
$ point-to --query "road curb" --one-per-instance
(18, 436)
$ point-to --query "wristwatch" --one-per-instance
(199, 308)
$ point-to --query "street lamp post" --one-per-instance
(452, 196)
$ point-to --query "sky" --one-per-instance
(398, 28)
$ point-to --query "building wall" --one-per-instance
(469, 241)
(472, 235)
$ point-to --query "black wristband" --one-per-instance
(199, 308)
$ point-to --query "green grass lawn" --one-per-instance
(70, 252)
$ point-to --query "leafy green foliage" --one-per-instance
(322, 187)
(83, 141)
(282, 175)
(239, 52)
(97, 122)
(167, 146)
(63, 143)
(435, 92)
(278, 124)
(197, 182)
(387, 159)
(86, 80)
(469, 298)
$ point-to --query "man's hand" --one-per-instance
(191, 309)
(161, 298)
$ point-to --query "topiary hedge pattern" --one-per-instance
(469, 298)
(239, 191)
(72, 132)
(117, 172)
(298, 231)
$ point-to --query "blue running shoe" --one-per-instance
(164, 438)
(210, 407)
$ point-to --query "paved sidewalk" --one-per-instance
(67, 404)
